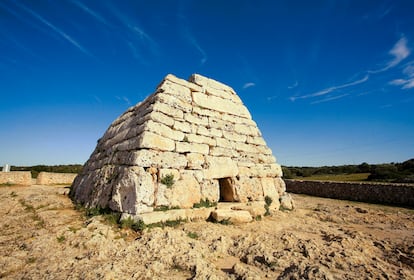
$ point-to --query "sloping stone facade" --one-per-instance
(197, 133)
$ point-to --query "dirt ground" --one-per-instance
(43, 237)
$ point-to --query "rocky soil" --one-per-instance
(43, 237)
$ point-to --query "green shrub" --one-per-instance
(268, 200)
(168, 180)
(61, 238)
(205, 203)
(132, 224)
(192, 235)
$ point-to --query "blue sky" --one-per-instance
(328, 82)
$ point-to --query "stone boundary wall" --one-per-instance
(49, 178)
(16, 178)
(384, 193)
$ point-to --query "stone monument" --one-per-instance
(187, 142)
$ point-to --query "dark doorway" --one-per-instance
(226, 190)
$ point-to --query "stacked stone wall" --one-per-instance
(399, 194)
(52, 178)
(16, 178)
(197, 130)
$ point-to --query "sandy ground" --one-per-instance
(43, 237)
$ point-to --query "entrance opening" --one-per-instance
(226, 190)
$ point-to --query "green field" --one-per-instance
(353, 177)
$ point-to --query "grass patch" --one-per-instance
(268, 202)
(6, 184)
(31, 260)
(164, 208)
(205, 204)
(168, 180)
(61, 238)
(352, 177)
(192, 235)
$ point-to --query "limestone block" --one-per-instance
(185, 83)
(280, 186)
(175, 102)
(198, 120)
(151, 140)
(286, 202)
(220, 167)
(134, 191)
(234, 136)
(249, 189)
(257, 140)
(195, 161)
(185, 147)
(215, 132)
(246, 129)
(164, 130)
(205, 112)
(237, 120)
(220, 124)
(264, 150)
(219, 104)
(206, 82)
(224, 143)
(162, 118)
(219, 151)
(255, 208)
(168, 171)
(235, 217)
(269, 188)
(202, 130)
(168, 110)
(218, 92)
(248, 148)
(184, 193)
(171, 215)
(210, 190)
(267, 170)
(196, 173)
(193, 138)
(175, 89)
(148, 158)
(182, 126)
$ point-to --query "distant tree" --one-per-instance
(364, 168)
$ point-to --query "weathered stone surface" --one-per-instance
(195, 161)
(220, 167)
(184, 193)
(200, 132)
(16, 177)
(133, 192)
(154, 141)
(286, 202)
(219, 104)
(235, 217)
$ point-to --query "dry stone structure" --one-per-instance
(189, 141)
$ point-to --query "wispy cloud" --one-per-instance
(248, 85)
(57, 30)
(189, 37)
(91, 12)
(123, 98)
(399, 52)
(294, 85)
(330, 98)
(331, 89)
(408, 81)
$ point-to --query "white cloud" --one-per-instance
(247, 85)
(330, 98)
(91, 12)
(55, 29)
(399, 51)
(408, 82)
(294, 85)
(331, 89)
